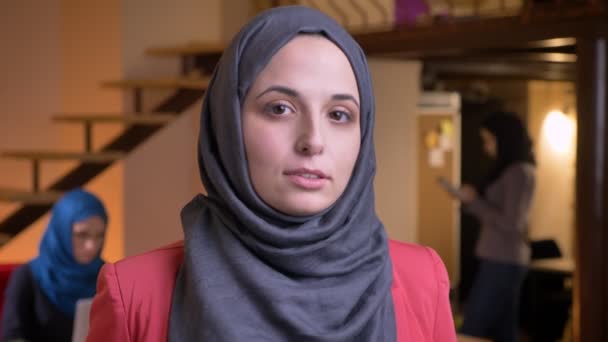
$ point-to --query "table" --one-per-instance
(465, 338)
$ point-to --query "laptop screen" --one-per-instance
(81, 320)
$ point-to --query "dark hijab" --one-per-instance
(252, 273)
(513, 144)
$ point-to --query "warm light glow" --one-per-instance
(559, 131)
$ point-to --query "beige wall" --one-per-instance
(553, 207)
(397, 88)
(235, 14)
(92, 53)
(30, 64)
(150, 23)
(29, 93)
(161, 176)
(58, 53)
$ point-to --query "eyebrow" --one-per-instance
(347, 97)
(280, 89)
(293, 93)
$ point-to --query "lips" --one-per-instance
(307, 179)
(308, 173)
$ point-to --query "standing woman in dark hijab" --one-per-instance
(40, 299)
(502, 204)
(286, 246)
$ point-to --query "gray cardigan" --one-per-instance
(503, 212)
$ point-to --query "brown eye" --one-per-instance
(278, 109)
(80, 236)
(339, 116)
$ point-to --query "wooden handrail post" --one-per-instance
(88, 136)
(137, 100)
(35, 175)
(188, 62)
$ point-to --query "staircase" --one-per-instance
(197, 62)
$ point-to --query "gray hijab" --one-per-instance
(251, 273)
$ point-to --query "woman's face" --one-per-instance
(87, 239)
(489, 143)
(301, 126)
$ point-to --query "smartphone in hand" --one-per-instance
(450, 188)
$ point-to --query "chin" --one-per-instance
(85, 261)
(303, 206)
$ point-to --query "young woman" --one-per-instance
(40, 299)
(502, 204)
(286, 246)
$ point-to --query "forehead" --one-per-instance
(91, 224)
(310, 58)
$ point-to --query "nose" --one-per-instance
(310, 135)
(90, 245)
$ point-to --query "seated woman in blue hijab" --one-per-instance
(40, 299)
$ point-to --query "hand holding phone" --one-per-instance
(450, 188)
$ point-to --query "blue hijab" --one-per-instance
(62, 279)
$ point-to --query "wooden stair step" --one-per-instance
(188, 49)
(126, 119)
(4, 238)
(161, 83)
(29, 197)
(89, 157)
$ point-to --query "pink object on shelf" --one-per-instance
(409, 12)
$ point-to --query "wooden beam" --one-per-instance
(4, 238)
(125, 119)
(168, 83)
(483, 34)
(511, 57)
(524, 71)
(28, 197)
(557, 54)
(591, 230)
(96, 157)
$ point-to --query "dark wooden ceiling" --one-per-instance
(539, 44)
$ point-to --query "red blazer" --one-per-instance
(133, 298)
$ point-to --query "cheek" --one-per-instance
(86, 246)
(491, 148)
(265, 147)
(77, 246)
(487, 147)
(346, 154)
